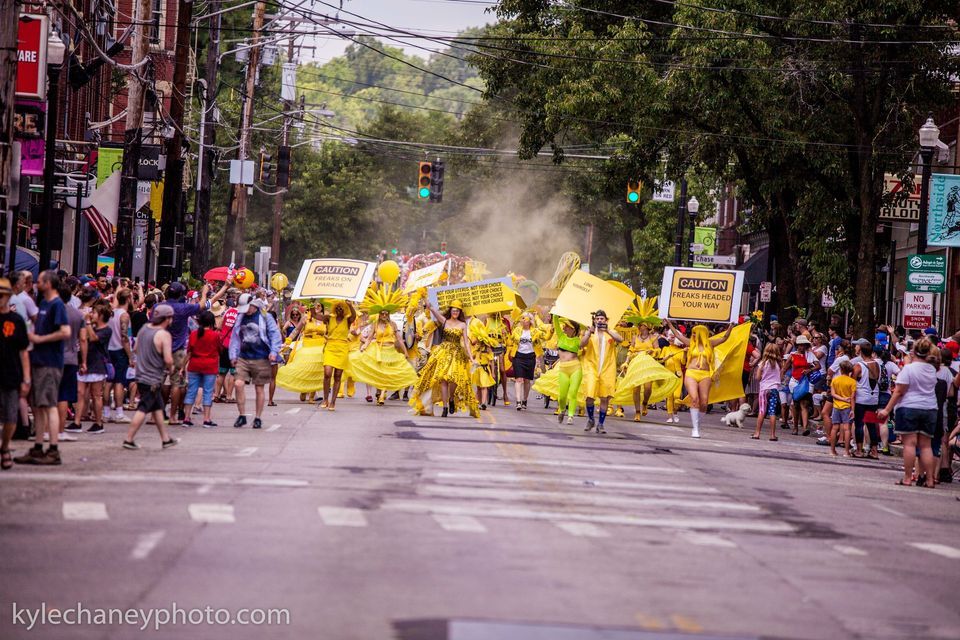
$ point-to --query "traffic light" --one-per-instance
(633, 191)
(424, 179)
(263, 175)
(283, 166)
(394, 251)
(443, 248)
(436, 182)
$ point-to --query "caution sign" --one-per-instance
(701, 296)
(334, 278)
(485, 296)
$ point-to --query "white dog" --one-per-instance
(736, 418)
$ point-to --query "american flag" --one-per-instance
(103, 209)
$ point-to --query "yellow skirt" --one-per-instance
(336, 354)
(304, 374)
(643, 370)
(482, 375)
(382, 367)
(549, 383)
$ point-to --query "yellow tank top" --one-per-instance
(700, 357)
(314, 329)
(385, 335)
(338, 329)
(643, 346)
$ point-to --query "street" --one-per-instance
(372, 523)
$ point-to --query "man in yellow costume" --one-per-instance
(599, 343)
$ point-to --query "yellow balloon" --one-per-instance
(244, 278)
(279, 282)
(389, 272)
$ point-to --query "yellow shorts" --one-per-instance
(697, 374)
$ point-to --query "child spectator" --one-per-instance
(843, 389)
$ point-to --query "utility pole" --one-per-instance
(234, 238)
(278, 199)
(132, 138)
(172, 210)
(200, 260)
(8, 82)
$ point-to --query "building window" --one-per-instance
(156, 15)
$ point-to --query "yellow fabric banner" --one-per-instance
(334, 278)
(728, 380)
(584, 294)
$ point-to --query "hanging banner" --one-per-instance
(943, 221)
(342, 279)
(585, 293)
(106, 262)
(32, 55)
(705, 239)
(900, 209)
(425, 277)
(701, 296)
(485, 296)
(109, 160)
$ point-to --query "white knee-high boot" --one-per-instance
(695, 418)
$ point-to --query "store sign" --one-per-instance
(943, 223)
(927, 273)
(700, 295)
(766, 291)
(149, 168)
(900, 209)
(917, 310)
(32, 56)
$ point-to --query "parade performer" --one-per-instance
(448, 367)
(482, 345)
(498, 328)
(357, 337)
(646, 380)
(563, 381)
(337, 350)
(701, 368)
(303, 371)
(599, 342)
(526, 348)
(381, 361)
(674, 359)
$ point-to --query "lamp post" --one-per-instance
(681, 218)
(693, 206)
(56, 50)
(929, 137)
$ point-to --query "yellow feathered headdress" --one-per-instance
(383, 298)
(643, 311)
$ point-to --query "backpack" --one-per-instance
(883, 382)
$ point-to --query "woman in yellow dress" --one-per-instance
(336, 353)
(482, 345)
(701, 367)
(646, 380)
(381, 361)
(448, 367)
(674, 359)
(303, 372)
(498, 329)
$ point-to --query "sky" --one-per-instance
(433, 17)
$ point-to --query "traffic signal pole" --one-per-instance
(278, 199)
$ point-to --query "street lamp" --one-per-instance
(929, 137)
(56, 51)
(693, 206)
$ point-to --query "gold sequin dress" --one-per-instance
(448, 362)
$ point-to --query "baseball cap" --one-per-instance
(161, 312)
(863, 342)
(930, 331)
(176, 290)
(245, 301)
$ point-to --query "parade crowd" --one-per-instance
(77, 353)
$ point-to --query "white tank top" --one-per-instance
(116, 342)
(865, 395)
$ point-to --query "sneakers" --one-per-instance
(66, 437)
(73, 427)
(187, 423)
(95, 429)
(120, 419)
(823, 441)
(240, 422)
(172, 442)
(32, 456)
(819, 433)
(130, 445)
(600, 429)
(559, 418)
(257, 423)
(569, 419)
(209, 424)
(590, 425)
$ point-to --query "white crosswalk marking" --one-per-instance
(146, 544)
(459, 523)
(537, 462)
(582, 529)
(85, 511)
(342, 517)
(849, 551)
(516, 478)
(211, 512)
(701, 539)
(293, 411)
(940, 549)
(726, 524)
(246, 452)
(273, 427)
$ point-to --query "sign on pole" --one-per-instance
(32, 55)
(766, 291)
(701, 296)
(927, 273)
(663, 191)
(334, 278)
(704, 244)
(900, 209)
(917, 310)
(943, 222)
(826, 299)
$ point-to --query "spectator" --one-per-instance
(226, 319)
(767, 372)
(94, 360)
(67, 394)
(22, 301)
(866, 372)
(120, 354)
(51, 329)
(254, 346)
(843, 391)
(14, 369)
(204, 363)
(154, 361)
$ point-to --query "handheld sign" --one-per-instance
(485, 296)
(425, 277)
(337, 278)
(584, 294)
(700, 295)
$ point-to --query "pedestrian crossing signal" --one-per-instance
(424, 179)
(633, 191)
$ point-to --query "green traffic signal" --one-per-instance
(633, 196)
(424, 192)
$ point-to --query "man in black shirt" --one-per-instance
(14, 369)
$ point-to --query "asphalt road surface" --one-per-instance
(371, 523)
